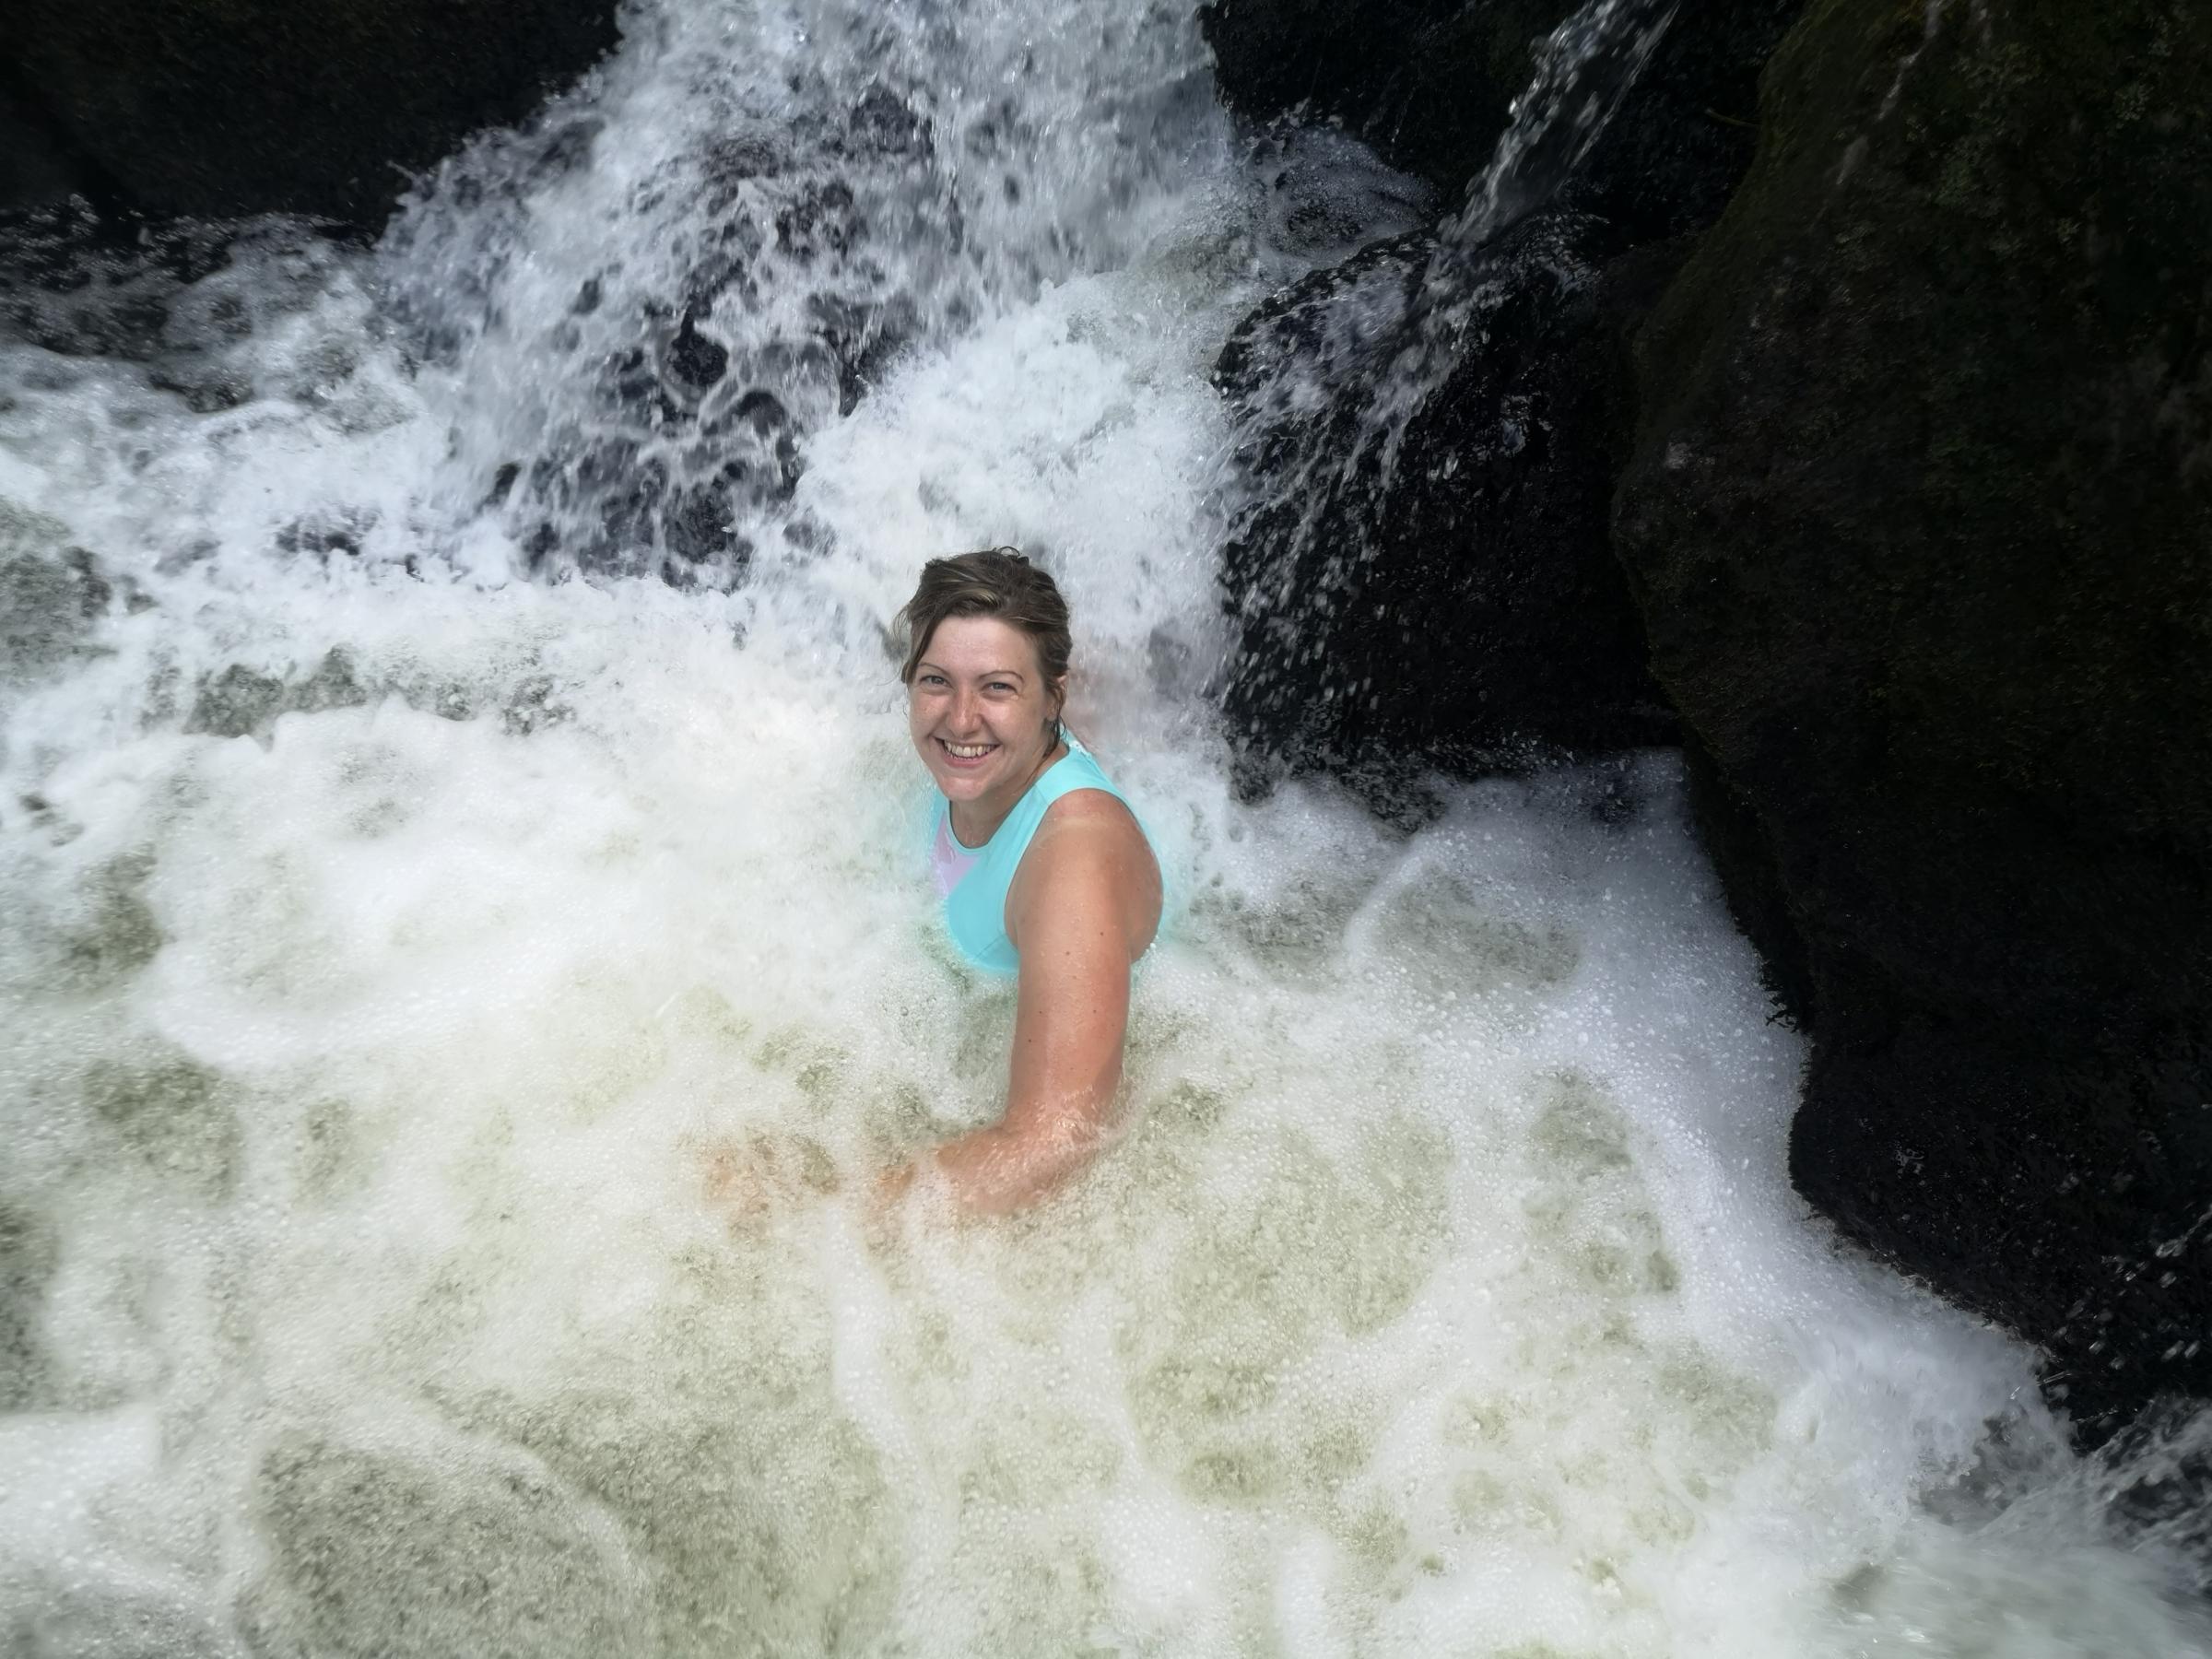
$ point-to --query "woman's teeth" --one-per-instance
(967, 751)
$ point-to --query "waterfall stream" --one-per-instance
(454, 799)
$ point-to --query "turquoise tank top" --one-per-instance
(974, 879)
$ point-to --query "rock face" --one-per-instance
(1915, 511)
(320, 107)
(1431, 586)
(1425, 82)
(1423, 576)
(1919, 525)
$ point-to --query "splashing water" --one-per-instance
(396, 944)
(1586, 68)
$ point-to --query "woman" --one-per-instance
(1045, 871)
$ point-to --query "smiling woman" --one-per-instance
(1046, 871)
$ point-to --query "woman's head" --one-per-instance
(987, 671)
(998, 581)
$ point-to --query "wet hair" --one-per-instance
(996, 581)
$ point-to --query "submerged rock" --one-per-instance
(1920, 522)
(52, 595)
(319, 107)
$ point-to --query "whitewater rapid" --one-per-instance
(455, 799)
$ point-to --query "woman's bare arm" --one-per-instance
(1082, 908)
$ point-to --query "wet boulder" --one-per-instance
(52, 595)
(706, 392)
(1422, 573)
(1422, 578)
(1430, 86)
(317, 107)
(1919, 525)
(1427, 83)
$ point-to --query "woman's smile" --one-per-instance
(984, 719)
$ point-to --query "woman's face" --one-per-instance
(980, 710)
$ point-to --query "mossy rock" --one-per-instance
(1920, 524)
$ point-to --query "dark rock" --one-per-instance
(1919, 522)
(1430, 86)
(1432, 432)
(37, 164)
(239, 703)
(1435, 588)
(1428, 83)
(317, 107)
(236, 703)
(695, 526)
(1681, 140)
(695, 359)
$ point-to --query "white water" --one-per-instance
(364, 1073)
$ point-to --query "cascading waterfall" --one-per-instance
(456, 803)
(1586, 68)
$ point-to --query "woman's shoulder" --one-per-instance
(1089, 857)
(1097, 816)
(1094, 829)
(1087, 802)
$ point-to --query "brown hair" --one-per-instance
(996, 581)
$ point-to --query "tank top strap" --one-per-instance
(974, 880)
(1075, 770)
